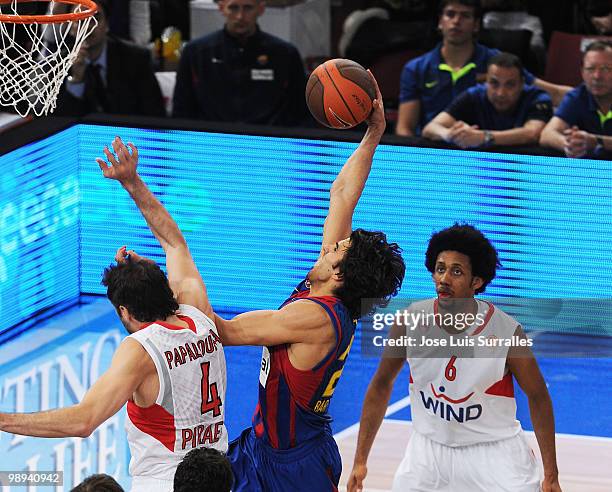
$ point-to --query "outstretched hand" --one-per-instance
(376, 121)
(123, 164)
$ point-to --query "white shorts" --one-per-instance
(149, 484)
(500, 466)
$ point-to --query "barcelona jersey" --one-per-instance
(293, 403)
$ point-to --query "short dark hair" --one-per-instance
(468, 240)
(142, 288)
(599, 45)
(372, 271)
(506, 60)
(474, 4)
(203, 470)
(100, 482)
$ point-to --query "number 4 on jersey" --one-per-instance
(210, 395)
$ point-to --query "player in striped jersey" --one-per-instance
(307, 340)
(170, 370)
(465, 434)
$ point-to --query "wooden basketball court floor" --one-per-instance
(585, 462)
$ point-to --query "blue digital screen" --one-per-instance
(252, 210)
(39, 218)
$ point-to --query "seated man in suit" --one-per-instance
(503, 111)
(582, 125)
(240, 73)
(110, 76)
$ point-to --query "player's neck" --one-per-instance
(320, 289)
(457, 55)
(176, 321)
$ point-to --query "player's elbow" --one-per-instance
(83, 428)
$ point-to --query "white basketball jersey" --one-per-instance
(189, 410)
(463, 394)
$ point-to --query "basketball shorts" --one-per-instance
(313, 466)
(508, 465)
(150, 484)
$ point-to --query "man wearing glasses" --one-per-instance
(582, 125)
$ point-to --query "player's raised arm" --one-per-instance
(183, 275)
(348, 186)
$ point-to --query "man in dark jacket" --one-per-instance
(241, 74)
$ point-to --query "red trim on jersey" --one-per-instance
(503, 387)
(450, 400)
(190, 324)
(154, 421)
(259, 427)
(411, 381)
(272, 410)
(490, 312)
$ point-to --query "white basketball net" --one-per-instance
(35, 57)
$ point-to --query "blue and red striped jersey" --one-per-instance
(293, 403)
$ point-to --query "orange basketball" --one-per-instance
(339, 93)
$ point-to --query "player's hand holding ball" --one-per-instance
(340, 94)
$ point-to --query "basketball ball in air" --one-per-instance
(339, 93)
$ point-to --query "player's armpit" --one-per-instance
(298, 322)
(185, 280)
(130, 366)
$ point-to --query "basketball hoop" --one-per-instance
(37, 51)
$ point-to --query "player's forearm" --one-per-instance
(158, 219)
(65, 422)
(543, 421)
(373, 412)
(352, 178)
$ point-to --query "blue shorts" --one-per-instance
(312, 466)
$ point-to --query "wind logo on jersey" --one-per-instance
(450, 409)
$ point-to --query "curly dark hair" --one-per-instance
(142, 288)
(372, 270)
(468, 240)
(203, 470)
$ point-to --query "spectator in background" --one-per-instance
(595, 17)
(110, 75)
(504, 111)
(241, 74)
(430, 82)
(98, 483)
(204, 470)
(512, 15)
(582, 125)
